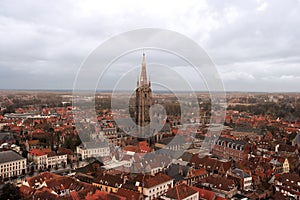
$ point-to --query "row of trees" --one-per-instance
(281, 110)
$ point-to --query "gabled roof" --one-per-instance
(109, 180)
(129, 194)
(63, 182)
(181, 191)
(149, 181)
(41, 178)
(45, 194)
(26, 191)
(297, 138)
(210, 163)
(177, 172)
(240, 173)
(218, 182)
(204, 194)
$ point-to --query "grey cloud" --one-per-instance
(255, 44)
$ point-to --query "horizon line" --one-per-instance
(160, 91)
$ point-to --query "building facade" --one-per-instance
(244, 179)
(90, 149)
(39, 157)
(154, 186)
(11, 164)
(230, 149)
(56, 159)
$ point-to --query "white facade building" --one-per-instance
(286, 166)
(90, 149)
(58, 159)
(39, 157)
(44, 159)
(246, 179)
(11, 164)
(157, 185)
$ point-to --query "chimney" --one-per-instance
(180, 171)
(125, 179)
(169, 186)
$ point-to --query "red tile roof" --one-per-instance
(205, 194)
(44, 193)
(26, 191)
(41, 178)
(37, 152)
(128, 194)
(181, 191)
(144, 147)
(131, 148)
(220, 198)
(150, 181)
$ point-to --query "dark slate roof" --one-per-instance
(91, 145)
(173, 140)
(6, 136)
(240, 173)
(90, 168)
(297, 138)
(241, 142)
(166, 141)
(177, 172)
(9, 156)
(170, 153)
(186, 156)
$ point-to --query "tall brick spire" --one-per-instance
(143, 77)
(143, 100)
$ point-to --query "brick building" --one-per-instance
(230, 149)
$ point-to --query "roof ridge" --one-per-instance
(176, 186)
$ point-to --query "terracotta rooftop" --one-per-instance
(41, 178)
(210, 163)
(37, 152)
(109, 179)
(128, 194)
(181, 191)
(149, 181)
(204, 194)
(221, 183)
(45, 194)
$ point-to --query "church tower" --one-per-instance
(143, 99)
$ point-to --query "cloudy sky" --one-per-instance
(254, 44)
